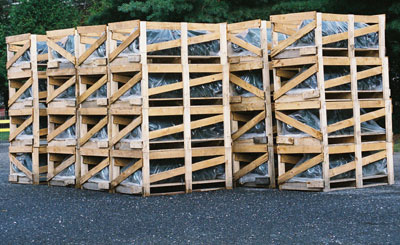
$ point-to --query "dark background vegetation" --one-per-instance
(37, 16)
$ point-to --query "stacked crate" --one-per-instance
(94, 93)
(332, 101)
(125, 105)
(62, 91)
(250, 99)
(178, 155)
(26, 71)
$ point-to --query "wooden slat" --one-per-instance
(250, 167)
(247, 86)
(296, 81)
(299, 125)
(163, 45)
(61, 89)
(301, 168)
(92, 89)
(344, 35)
(360, 75)
(95, 170)
(20, 166)
(249, 125)
(245, 45)
(17, 131)
(65, 164)
(103, 122)
(92, 48)
(16, 56)
(61, 51)
(131, 126)
(61, 128)
(287, 42)
(129, 171)
(20, 91)
(124, 45)
(125, 87)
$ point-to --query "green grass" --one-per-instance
(4, 136)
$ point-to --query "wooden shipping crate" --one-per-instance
(339, 103)
(250, 98)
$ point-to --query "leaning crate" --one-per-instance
(250, 98)
(175, 157)
(125, 106)
(332, 101)
(26, 71)
(94, 93)
(63, 169)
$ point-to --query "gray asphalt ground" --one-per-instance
(57, 215)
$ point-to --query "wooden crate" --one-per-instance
(248, 110)
(293, 65)
(26, 71)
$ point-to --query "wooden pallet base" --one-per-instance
(19, 179)
(96, 186)
(62, 182)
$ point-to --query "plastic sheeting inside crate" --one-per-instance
(134, 92)
(69, 133)
(161, 79)
(370, 40)
(26, 160)
(101, 135)
(67, 43)
(68, 94)
(26, 56)
(99, 93)
(68, 172)
(28, 95)
(257, 131)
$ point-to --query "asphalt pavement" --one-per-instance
(57, 215)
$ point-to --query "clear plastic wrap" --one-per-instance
(68, 94)
(161, 79)
(134, 135)
(213, 89)
(25, 159)
(66, 43)
(101, 135)
(308, 117)
(99, 93)
(134, 92)
(68, 172)
(26, 56)
(69, 133)
(28, 95)
(259, 172)
(257, 131)
(370, 40)
(102, 175)
(375, 168)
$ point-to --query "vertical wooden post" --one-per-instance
(268, 104)
(226, 105)
(78, 165)
(36, 115)
(186, 108)
(322, 111)
(356, 103)
(145, 109)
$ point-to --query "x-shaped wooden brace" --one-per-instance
(95, 170)
(92, 89)
(20, 91)
(247, 86)
(65, 164)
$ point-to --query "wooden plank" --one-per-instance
(352, 165)
(20, 91)
(301, 168)
(287, 42)
(94, 170)
(20, 166)
(84, 138)
(344, 35)
(298, 149)
(51, 44)
(181, 170)
(92, 89)
(131, 126)
(124, 45)
(179, 128)
(299, 125)
(18, 130)
(128, 172)
(295, 81)
(163, 45)
(61, 89)
(282, 106)
(249, 125)
(346, 79)
(135, 79)
(244, 44)
(61, 128)
(92, 48)
(245, 85)
(294, 61)
(65, 164)
(250, 167)
(16, 56)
